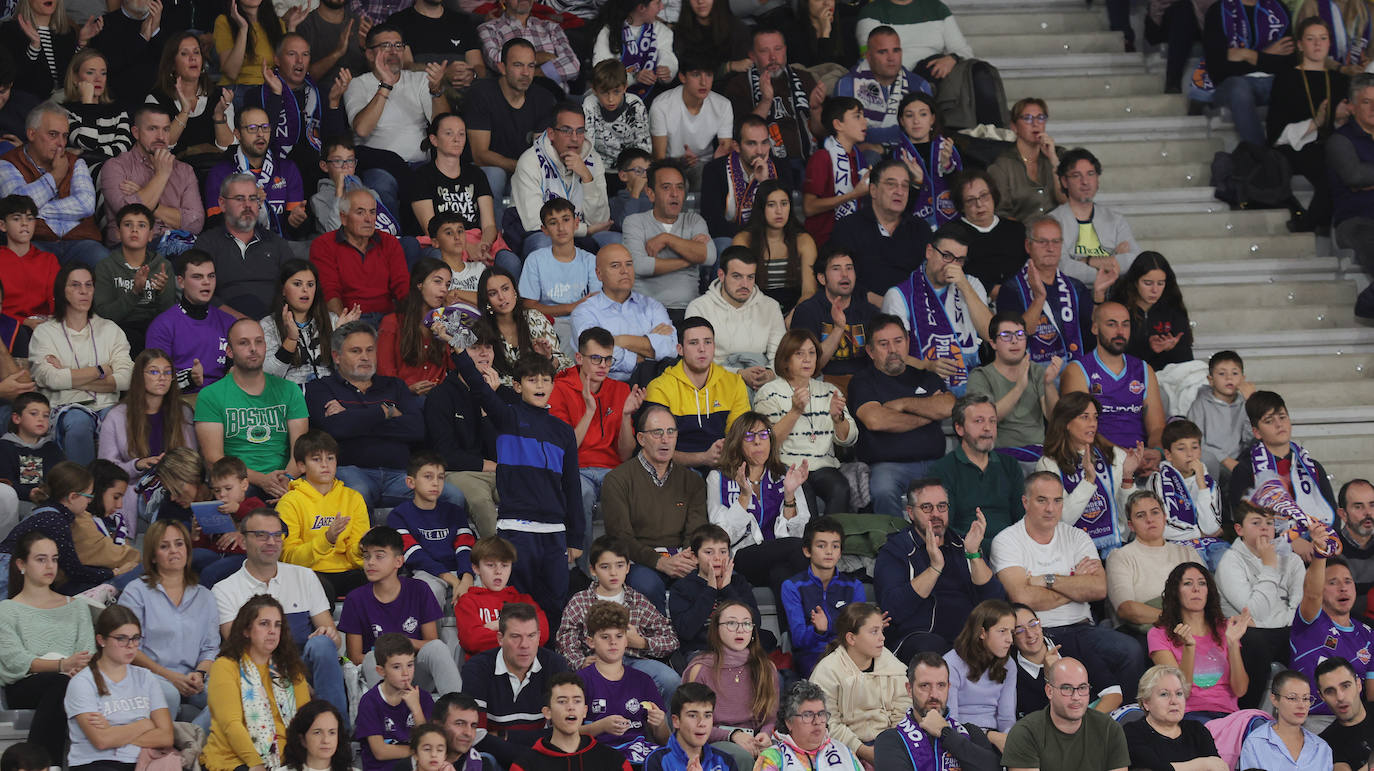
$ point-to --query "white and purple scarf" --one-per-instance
(1270, 24)
(924, 750)
(294, 124)
(933, 201)
(1307, 494)
(1347, 45)
(638, 52)
(743, 186)
(558, 184)
(800, 109)
(1180, 510)
(940, 330)
(1062, 311)
(1098, 519)
(880, 104)
(764, 507)
(846, 169)
(269, 216)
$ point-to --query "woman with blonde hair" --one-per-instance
(180, 618)
(1165, 739)
(42, 39)
(865, 685)
(98, 128)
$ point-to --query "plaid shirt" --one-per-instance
(572, 635)
(543, 35)
(60, 214)
(376, 10)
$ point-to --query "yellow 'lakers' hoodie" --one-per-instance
(308, 515)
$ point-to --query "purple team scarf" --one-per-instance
(1065, 319)
(471, 762)
(932, 202)
(924, 751)
(1303, 477)
(846, 169)
(114, 527)
(1353, 50)
(1179, 508)
(743, 186)
(933, 334)
(1098, 519)
(639, 51)
(294, 124)
(1271, 23)
(765, 506)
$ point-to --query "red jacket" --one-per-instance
(375, 281)
(28, 281)
(565, 403)
(481, 606)
(389, 355)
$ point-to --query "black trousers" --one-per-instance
(1310, 162)
(43, 692)
(1260, 648)
(830, 486)
(770, 563)
(1179, 30)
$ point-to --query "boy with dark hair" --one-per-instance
(194, 332)
(836, 174)
(392, 603)
(448, 233)
(812, 600)
(1192, 504)
(25, 756)
(324, 519)
(537, 480)
(29, 272)
(1218, 410)
(565, 707)
(392, 707)
(632, 169)
(649, 635)
(558, 277)
(436, 536)
(134, 284)
(1276, 460)
(27, 452)
(229, 484)
(626, 707)
(688, 748)
(696, 595)
(617, 122)
(478, 610)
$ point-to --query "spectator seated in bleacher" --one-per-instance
(1192, 501)
(996, 247)
(1219, 412)
(982, 683)
(1023, 391)
(1131, 407)
(835, 179)
(438, 539)
(324, 519)
(479, 608)
(625, 706)
(784, 250)
(1094, 741)
(407, 348)
(639, 324)
(501, 111)
(1324, 626)
(712, 581)
(863, 682)
(927, 735)
(1034, 655)
(248, 255)
(745, 681)
(27, 451)
(359, 265)
(881, 84)
(1053, 305)
(556, 59)
(1339, 686)
(812, 599)
(80, 361)
(787, 97)
(702, 397)
(29, 271)
(803, 713)
(1272, 745)
(300, 112)
(339, 162)
(1024, 172)
(200, 113)
(1350, 162)
(835, 316)
(459, 716)
(1244, 42)
(1160, 331)
(1096, 239)
(134, 283)
(1137, 572)
(455, 430)
(149, 174)
(194, 333)
(983, 485)
(568, 701)
(259, 678)
(284, 209)
(1192, 633)
(299, 326)
(1166, 731)
(561, 162)
(632, 172)
(311, 620)
(884, 239)
(318, 737)
(923, 576)
(671, 247)
(616, 121)
(1355, 527)
(47, 637)
(691, 125)
(523, 331)
(178, 616)
(558, 277)
(729, 184)
(750, 322)
(930, 158)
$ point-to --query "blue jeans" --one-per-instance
(385, 186)
(665, 677)
(76, 435)
(220, 569)
(175, 701)
(591, 478)
(1111, 658)
(888, 482)
(650, 583)
(386, 487)
(88, 253)
(322, 659)
(499, 182)
(1244, 96)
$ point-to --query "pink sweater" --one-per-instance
(734, 690)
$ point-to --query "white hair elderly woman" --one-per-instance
(1164, 739)
(807, 739)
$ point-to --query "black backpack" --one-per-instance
(1253, 177)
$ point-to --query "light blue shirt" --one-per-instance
(1264, 749)
(984, 702)
(175, 636)
(548, 281)
(134, 698)
(636, 316)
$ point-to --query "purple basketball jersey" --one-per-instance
(1122, 396)
(1312, 643)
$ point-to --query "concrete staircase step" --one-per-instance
(1021, 44)
(1138, 152)
(1342, 447)
(1306, 370)
(1117, 105)
(1302, 395)
(1276, 295)
(1285, 342)
(1131, 177)
(1184, 250)
(1280, 271)
(1342, 471)
(1055, 88)
(1324, 419)
(1269, 222)
(1068, 64)
(1032, 21)
(1120, 129)
(1259, 319)
(1165, 200)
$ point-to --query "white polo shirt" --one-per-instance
(296, 588)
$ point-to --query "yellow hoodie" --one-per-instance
(307, 516)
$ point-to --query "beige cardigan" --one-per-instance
(862, 704)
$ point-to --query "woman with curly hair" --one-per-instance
(317, 739)
(982, 685)
(1193, 635)
(259, 682)
(1160, 332)
(784, 249)
(745, 681)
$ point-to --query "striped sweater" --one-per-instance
(813, 436)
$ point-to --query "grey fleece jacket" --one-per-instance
(1112, 229)
(1225, 428)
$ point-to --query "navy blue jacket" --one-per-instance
(800, 594)
(517, 719)
(537, 477)
(672, 758)
(692, 601)
(903, 558)
(367, 437)
(454, 427)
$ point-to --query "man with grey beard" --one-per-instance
(1355, 526)
(247, 255)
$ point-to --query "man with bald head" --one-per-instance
(1066, 735)
(252, 415)
(639, 323)
(1132, 411)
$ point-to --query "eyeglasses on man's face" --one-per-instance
(265, 535)
(660, 433)
(388, 46)
(1081, 689)
(1011, 334)
(949, 257)
(244, 199)
(569, 131)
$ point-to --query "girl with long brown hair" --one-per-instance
(1098, 476)
(982, 684)
(259, 683)
(117, 707)
(864, 684)
(1193, 635)
(523, 330)
(406, 348)
(745, 681)
(298, 331)
(149, 421)
(784, 249)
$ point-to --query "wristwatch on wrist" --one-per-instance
(1049, 579)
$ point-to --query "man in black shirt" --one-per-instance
(131, 39)
(504, 116)
(841, 354)
(436, 34)
(888, 243)
(1352, 735)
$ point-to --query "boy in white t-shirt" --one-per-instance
(448, 233)
(685, 121)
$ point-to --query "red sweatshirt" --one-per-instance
(375, 281)
(28, 282)
(598, 446)
(481, 606)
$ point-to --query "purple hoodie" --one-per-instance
(187, 338)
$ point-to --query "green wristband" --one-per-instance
(973, 555)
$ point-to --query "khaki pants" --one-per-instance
(479, 487)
